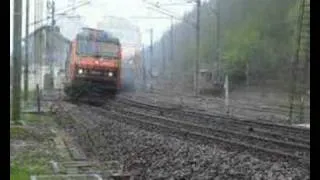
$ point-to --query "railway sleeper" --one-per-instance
(262, 153)
(222, 123)
(305, 134)
(252, 139)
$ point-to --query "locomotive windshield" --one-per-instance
(95, 48)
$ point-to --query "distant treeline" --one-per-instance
(256, 36)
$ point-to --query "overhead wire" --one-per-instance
(39, 21)
(157, 8)
(61, 13)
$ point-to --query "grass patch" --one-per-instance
(34, 161)
(35, 118)
(26, 165)
(18, 173)
(21, 133)
(33, 157)
(37, 128)
(32, 94)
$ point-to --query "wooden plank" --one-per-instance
(78, 164)
(75, 152)
(72, 170)
(67, 177)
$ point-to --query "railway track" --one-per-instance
(272, 107)
(256, 145)
(98, 117)
(206, 136)
(131, 112)
(217, 125)
(272, 131)
(294, 134)
(223, 133)
(79, 121)
(262, 111)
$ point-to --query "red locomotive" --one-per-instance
(93, 63)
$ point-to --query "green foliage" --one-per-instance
(255, 31)
(29, 163)
(18, 173)
(19, 132)
(240, 43)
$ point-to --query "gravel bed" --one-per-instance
(253, 109)
(295, 134)
(224, 133)
(156, 156)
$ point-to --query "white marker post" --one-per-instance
(226, 90)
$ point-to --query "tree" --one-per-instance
(254, 33)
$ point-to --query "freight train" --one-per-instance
(93, 65)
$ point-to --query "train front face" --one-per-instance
(98, 63)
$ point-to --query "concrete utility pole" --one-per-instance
(300, 62)
(151, 50)
(53, 23)
(26, 61)
(171, 49)
(53, 9)
(218, 38)
(162, 11)
(144, 67)
(50, 49)
(196, 75)
(163, 56)
(16, 90)
(226, 87)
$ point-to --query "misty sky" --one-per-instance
(122, 8)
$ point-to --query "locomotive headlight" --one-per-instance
(80, 71)
(110, 74)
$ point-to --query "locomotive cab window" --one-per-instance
(98, 49)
